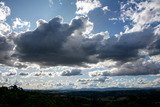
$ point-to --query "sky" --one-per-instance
(77, 44)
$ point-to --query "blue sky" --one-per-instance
(40, 9)
(63, 44)
(43, 9)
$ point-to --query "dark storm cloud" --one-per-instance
(126, 46)
(80, 49)
(44, 45)
(5, 50)
(59, 43)
(154, 47)
(123, 48)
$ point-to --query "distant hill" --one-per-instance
(17, 97)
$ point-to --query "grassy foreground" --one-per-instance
(17, 97)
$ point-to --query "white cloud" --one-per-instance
(4, 28)
(11, 72)
(156, 82)
(142, 14)
(113, 19)
(99, 73)
(131, 82)
(85, 6)
(20, 24)
(4, 11)
(104, 64)
(157, 30)
(105, 9)
(72, 72)
(100, 79)
(40, 22)
(43, 74)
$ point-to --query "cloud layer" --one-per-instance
(68, 44)
(141, 66)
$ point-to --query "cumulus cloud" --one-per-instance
(99, 73)
(5, 50)
(41, 74)
(45, 44)
(6, 45)
(11, 72)
(157, 30)
(21, 25)
(156, 82)
(100, 79)
(4, 29)
(59, 43)
(85, 6)
(105, 9)
(72, 72)
(4, 11)
(40, 22)
(125, 46)
(139, 67)
(38, 73)
(142, 14)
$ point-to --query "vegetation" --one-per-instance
(17, 97)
